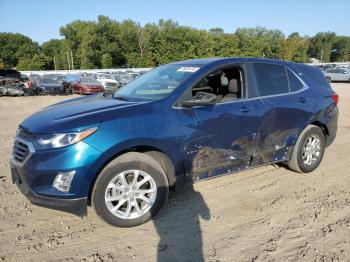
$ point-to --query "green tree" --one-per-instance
(106, 61)
(14, 47)
(321, 46)
(295, 48)
(341, 49)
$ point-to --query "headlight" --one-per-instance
(48, 141)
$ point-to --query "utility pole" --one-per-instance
(71, 55)
(68, 61)
(54, 62)
(321, 54)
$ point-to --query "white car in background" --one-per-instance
(337, 75)
(108, 81)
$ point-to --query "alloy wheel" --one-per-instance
(130, 194)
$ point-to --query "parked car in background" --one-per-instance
(122, 78)
(47, 85)
(33, 78)
(108, 81)
(11, 83)
(58, 77)
(68, 79)
(87, 86)
(181, 122)
(337, 75)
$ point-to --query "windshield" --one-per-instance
(105, 76)
(49, 81)
(157, 83)
(89, 80)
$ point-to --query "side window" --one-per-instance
(271, 79)
(294, 82)
(226, 83)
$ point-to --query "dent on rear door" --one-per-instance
(285, 116)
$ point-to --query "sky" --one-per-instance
(41, 19)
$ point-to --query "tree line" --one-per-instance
(107, 43)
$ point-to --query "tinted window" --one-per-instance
(49, 81)
(294, 82)
(271, 79)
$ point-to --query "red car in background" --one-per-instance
(87, 86)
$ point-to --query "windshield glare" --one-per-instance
(157, 83)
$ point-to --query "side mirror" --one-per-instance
(200, 99)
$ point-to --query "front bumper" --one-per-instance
(75, 206)
(92, 91)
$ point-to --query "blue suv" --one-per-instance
(123, 152)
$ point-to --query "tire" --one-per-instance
(299, 159)
(127, 197)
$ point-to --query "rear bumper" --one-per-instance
(74, 206)
(332, 125)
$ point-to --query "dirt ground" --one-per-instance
(263, 214)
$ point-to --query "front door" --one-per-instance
(225, 139)
(225, 135)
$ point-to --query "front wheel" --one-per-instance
(308, 151)
(130, 190)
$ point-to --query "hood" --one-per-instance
(107, 80)
(75, 114)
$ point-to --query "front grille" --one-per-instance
(20, 151)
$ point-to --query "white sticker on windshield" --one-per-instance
(188, 69)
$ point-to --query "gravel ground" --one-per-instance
(264, 214)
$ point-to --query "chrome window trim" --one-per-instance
(305, 87)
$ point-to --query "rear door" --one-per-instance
(287, 107)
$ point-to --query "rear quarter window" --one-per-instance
(270, 79)
(294, 83)
(311, 75)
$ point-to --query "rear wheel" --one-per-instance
(130, 190)
(308, 151)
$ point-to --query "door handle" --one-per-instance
(302, 99)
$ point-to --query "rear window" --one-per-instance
(271, 79)
(294, 82)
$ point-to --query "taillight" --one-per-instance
(335, 98)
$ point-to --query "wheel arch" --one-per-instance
(323, 127)
(165, 163)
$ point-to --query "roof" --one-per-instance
(206, 61)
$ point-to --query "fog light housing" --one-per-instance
(63, 180)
